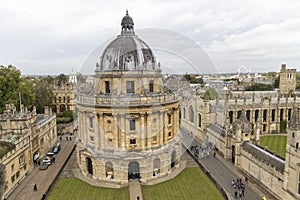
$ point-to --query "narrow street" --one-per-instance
(42, 178)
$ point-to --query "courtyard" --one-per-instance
(274, 143)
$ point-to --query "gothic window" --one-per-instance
(293, 134)
(170, 134)
(265, 115)
(256, 113)
(132, 124)
(264, 128)
(191, 114)
(151, 84)
(199, 120)
(281, 114)
(130, 87)
(183, 113)
(107, 87)
(289, 114)
(248, 115)
(230, 117)
(273, 115)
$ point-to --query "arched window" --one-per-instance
(230, 117)
(191, 114)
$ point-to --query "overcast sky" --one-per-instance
(52, 37)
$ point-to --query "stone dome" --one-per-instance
(127, 51)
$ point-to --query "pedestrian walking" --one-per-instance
(214, 154)
(35, 188)
(235, 194)
(67, 138)
(70, 138)
(60, 138)
(246, 179)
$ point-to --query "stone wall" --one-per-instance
(264, 167)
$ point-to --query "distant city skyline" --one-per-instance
(40, 37)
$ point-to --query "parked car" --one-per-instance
(56, 148)
(50, 154)
(49, 160)
(43, 166)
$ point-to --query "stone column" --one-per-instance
(149, 132)
(102, 142)
(142, 131)
(122, 127)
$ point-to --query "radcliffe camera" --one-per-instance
(149, 100)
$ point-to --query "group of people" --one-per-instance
(67, 138)
(239, 188)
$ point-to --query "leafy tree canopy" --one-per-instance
(43, 93)
(13, 86)
(211, 94)
(259, 87)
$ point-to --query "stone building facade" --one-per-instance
(234, 124)
(17, 163)
(32, 134)
(128, 123)
(287, 84)
(292, 162)
(64, 96)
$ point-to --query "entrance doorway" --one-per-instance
(89, 165)
(233, 154)
(133, 170)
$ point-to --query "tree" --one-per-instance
(43, 93)
(12, 86)
(298, 81)
(276, 82)
(259, 87)
(61, 79)
(211, 94)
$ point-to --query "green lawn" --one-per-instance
(190, 184)
(73, 188)
(274, 143)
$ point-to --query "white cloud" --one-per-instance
(37, 35)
